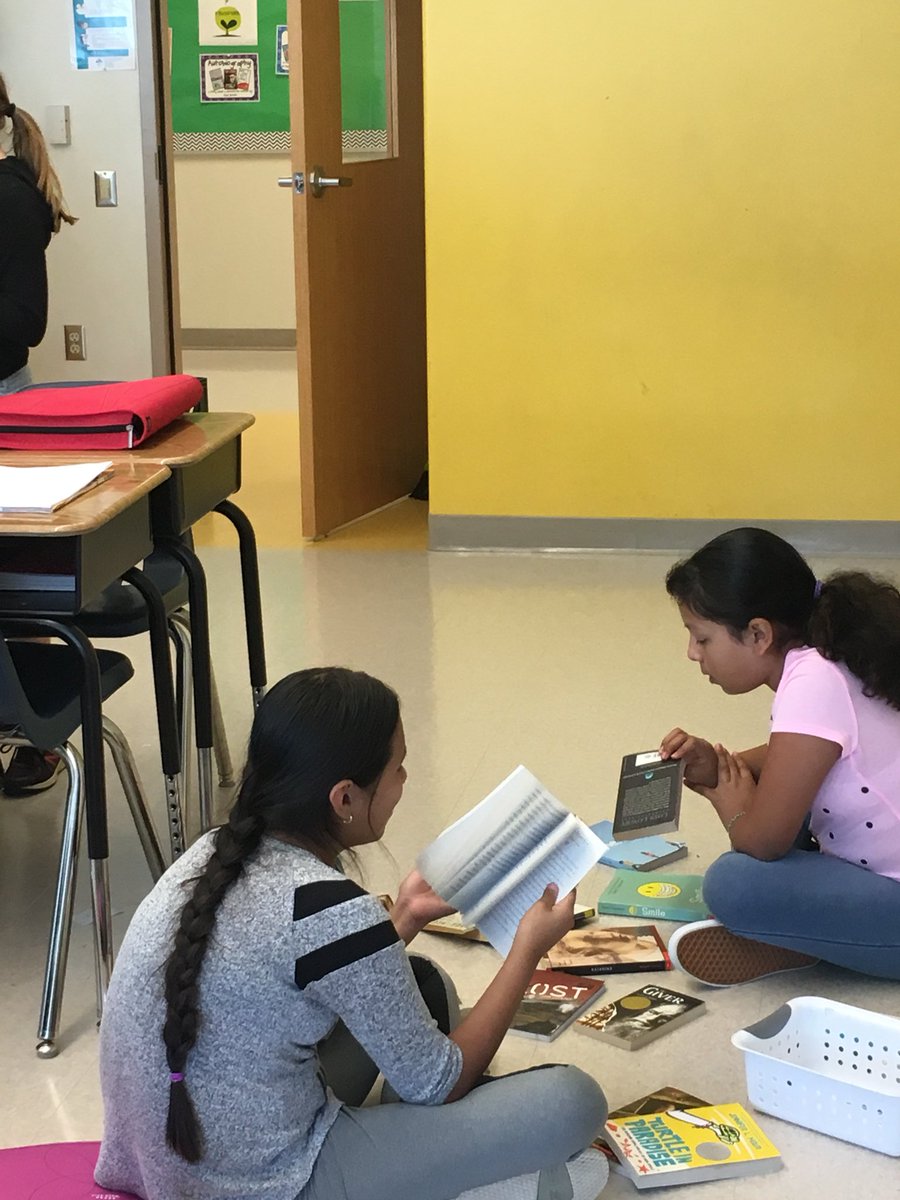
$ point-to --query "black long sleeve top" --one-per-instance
(25, 229)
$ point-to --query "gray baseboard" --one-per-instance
(239, 339)
(447, 532)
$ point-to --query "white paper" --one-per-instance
(43, 489)
(227, 24)
(103, 35)
(494, 863)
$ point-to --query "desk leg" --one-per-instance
(94, 783)
(200, 661)
(102, 909)
(166, 714)
(61, 924)
(253, 622)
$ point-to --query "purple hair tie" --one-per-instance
(818, 589)
(176, 1077)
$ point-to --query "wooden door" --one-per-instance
(360, 268)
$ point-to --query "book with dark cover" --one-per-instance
(610, 950)
(552, 1001)
(665, 897)
(641, 1016)
(664, 1099)
(691, 1145)
(649, 796)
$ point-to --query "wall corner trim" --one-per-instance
(500, 533)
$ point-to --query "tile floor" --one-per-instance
(564, 662)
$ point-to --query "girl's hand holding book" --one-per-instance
(545, 923)
(417, 904)
(701, 762)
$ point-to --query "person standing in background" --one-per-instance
(31, 211)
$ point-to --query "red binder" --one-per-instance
(105, 416)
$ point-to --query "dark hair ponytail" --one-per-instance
(234, 843)
(852, 617)
(313, 729)
(856, 621)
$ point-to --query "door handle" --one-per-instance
(319, 182)
(294, 181)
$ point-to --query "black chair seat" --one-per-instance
(50, 678)
(120, 610)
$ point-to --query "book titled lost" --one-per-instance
(495, 862)
(552, 1001)
(641, 1016)
(665, 897)
(691, 1145)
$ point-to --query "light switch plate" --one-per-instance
(106, 190)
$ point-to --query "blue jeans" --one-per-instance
(813, 903)
(15, 382)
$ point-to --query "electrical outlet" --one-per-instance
(75, 348)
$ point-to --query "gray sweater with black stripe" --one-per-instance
(295, 946)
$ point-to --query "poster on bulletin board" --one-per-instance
(227, 95)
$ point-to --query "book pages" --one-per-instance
(494, 862)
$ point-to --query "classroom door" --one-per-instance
(359, 247)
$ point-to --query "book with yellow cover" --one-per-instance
(691, 1145)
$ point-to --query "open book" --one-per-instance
(44, 489)
(494, 863)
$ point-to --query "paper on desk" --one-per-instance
(44, 489)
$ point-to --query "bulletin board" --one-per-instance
(259, 121)
(256, 126)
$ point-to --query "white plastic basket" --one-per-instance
(831, 1067)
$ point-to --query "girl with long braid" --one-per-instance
(813, 814)
(259, 992)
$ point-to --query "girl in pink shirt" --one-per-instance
(814, 813)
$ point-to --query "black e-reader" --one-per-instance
(649, 796)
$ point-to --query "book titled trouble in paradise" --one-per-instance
(691, 1145)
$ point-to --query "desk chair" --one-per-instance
(122, 611)
(46, 693)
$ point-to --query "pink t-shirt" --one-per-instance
(856, 814)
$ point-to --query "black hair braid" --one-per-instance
(856, 621)
(234, 843)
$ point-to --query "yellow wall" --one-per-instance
(664, 257)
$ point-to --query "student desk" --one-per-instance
(51, 564)
(201, 454)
